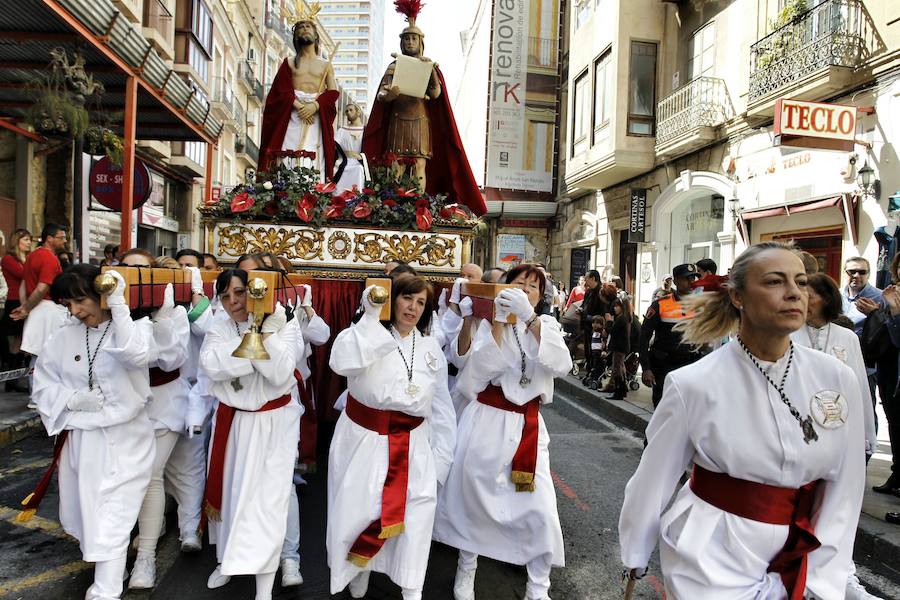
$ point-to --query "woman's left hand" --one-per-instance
(516, 302)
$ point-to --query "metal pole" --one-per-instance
(77, 198)
(128, 162)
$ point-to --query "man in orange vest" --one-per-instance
(666, 352)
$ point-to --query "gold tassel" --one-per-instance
(525, 487)
(519, 477)
(359, 560)
(391, 531)
(26, 514)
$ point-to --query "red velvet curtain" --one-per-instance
(335, 301)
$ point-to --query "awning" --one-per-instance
(847, 204)
(520, 208)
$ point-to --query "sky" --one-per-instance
(442, 21)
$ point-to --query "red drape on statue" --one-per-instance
(334, 301)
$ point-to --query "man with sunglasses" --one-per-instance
(860, 298)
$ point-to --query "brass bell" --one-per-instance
(104, 284)
(378, 295)
(251, 346)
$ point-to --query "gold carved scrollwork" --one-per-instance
(433, 250)
(294, 244)
(339, 246)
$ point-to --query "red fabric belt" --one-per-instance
(524, 462)
(396, 425)
(159, 377)
(768, 504)
(309, 425)
(33, 500)
(224, 418)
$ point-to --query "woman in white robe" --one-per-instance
(248, 506)
(774, 431)
(93, 388)
(488, 507)
(396, 375)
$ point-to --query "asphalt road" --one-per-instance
(591, 460)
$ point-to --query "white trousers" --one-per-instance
(153, 509)
(290, 549)
(538, 574)
(185, 478)
(107, 580)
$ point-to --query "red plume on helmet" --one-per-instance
(409, 8)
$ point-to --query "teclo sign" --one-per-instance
(815, 119)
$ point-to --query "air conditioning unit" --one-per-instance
(251, 55)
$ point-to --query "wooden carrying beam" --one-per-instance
(209, 282)
(384, 282)
(144, 287)
(482, 295)
(279, 288)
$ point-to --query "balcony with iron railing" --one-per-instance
(158, 28)
(244, 145)
(688, 117)
(223, 98)
(254, 87)
(814, 54)
(543, 52)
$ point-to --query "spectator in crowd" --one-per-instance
(595, 360)
(891, 404)
(110, 255)
(810, 262)
(706, 270)
(619, 345)
(189, 258)
(42, 315)
(860, 298)
(664, 289)
(577, 293)
(471, 271)
(13, 266)
(210, 263)
(493, 275)
(592, 306)
(66, 259)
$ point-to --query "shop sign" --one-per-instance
(529, 223)
(105, 183)
(637, 215)
(815, 124)
(510, 249)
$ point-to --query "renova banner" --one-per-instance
(507, 138)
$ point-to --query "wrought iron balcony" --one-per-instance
(158, 17)
(243, 144)
(543, 52)
(223, 97)
(686, 117)
(253, 85)
(836, 33)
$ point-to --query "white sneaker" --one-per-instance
(856, 591)
(143, 574)
(216, 579)
(464, 585)
(359, 585)
(190, 542)
(290, 573)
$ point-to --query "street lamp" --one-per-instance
(735, 205)
(868, 184)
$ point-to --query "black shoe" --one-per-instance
(891, 486)
(892, 517)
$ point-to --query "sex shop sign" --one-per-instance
(105, 183)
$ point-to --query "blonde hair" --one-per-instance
(715, 316)
(167, 262)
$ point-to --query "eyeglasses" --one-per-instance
(852, 272)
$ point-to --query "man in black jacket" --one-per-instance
(592, 306)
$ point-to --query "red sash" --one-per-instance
(212, 501)
(524, 462)
(309, 425)
(33, 500)
(396, 425)
(768, 504)
(159, 377)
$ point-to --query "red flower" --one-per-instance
(389, 202)
(390, 157)
(305, 207)
(362, 210)
(407, 160)
(347, 195)
(368, 191)
(423, 218)
(453, 211)
(242, 203)
(271, 208)
(326, 188)
(336, 209)
(404, 193)
(421, 204)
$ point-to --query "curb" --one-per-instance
(874, 538)
(19, 427)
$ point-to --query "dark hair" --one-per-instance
(858, 259)
(224, 279)
(406, 283)
(139, 252)
(529, 271)
(77, 281)
(66, 258)
(593, 274)
(190, 252)
(827, 289)
(625, 304)
(402, 269)
(894, 262)
(254, 257)
(294, 29)
(707, 264)
(263, 256)
(598, 320)
(50, 230)
(206, 255)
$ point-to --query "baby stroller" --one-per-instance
(632, 364)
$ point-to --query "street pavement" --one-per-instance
(591, 460)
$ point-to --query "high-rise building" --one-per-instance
(358, 25)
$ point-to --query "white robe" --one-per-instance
(721, 414)
(479, 509)
(168, 404)
(105, 464)
(366, 353)
(843, 344)
(43, 320)
(259, 459)
(350, 139)
(305, 136)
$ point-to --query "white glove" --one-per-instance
(442, 301)
(372, 309)
(515, 301)
(500, 310)
(275, 321)
(456, 292)
(168, 304)
(117, 296)
(196, 280)
(307, 295)
(465, 307)
(86, 401)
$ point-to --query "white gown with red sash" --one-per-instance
(261, 447)
(366, 353)
(479, 509)
(722, 415)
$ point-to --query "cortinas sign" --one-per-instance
(815, 125)
(637, 215)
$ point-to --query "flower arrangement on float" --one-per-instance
(290, 191)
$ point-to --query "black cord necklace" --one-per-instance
(412, 389)
(90, 357)
(524, 380)
(806, 425)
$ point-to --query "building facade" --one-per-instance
(673, 152)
